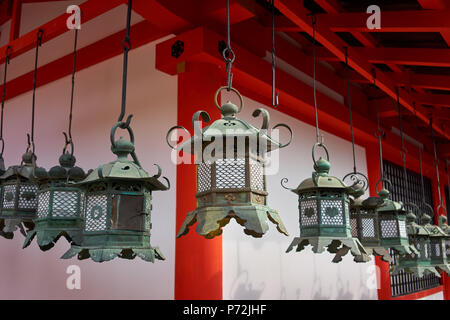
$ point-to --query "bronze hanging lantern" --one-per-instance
(365, 225)
(363, 215)
(117, 208)
(445, 227)
(118, 197)
(324, 214)
(437, 246)
(417, 263)
(232, 183)
(19, 187)
(60, 204)
(7, 235)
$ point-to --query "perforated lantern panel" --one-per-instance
(230, 173)
(389, 228)
(354, 227)
(9, 195)
(43, 204)
(65, 204)
(368, 227)
(332, 212)
(203, 177)
(27, 196)
(435, 250)
(308, 209)
(256, 175)
(96, 206)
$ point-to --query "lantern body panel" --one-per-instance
(393, 233)
(324, 215)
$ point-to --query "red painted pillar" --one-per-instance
(373, 172)
(198, 261)
(15, 20)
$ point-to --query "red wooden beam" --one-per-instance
(89, 10)
(407, 56)
(437, 5)
(297, 14)
(5, 11)
(15, 20)
(109, 47)
(440, 100)
(392, 21)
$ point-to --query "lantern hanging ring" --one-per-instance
(121, 125)
(383, 180)
(241, 100)
(68, 142)
(319, 144)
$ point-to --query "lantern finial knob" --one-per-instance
(384, 193)
(229, 110)
(122, 148)
(410, 217)
(67, 160)
(426, 219)
(28, 157)
(322, 166)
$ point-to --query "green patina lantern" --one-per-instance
(392, 224)
(19, 196)
(231, 183)
(438, 250)
(60, 204)
(19, 188)
(325, 214)
(117, 208)
(445, 227)
(365, 224)
(419, 261)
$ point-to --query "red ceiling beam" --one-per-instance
(392, 21)
(15, 20)
(253, 79)
(437, 5)
(440, 100)
(407, 56)
(141, 33)
(89, 10)
(297, 14)
(5, 11)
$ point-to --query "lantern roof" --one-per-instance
(413, 228)
(124, 169)
(25, 170)
(66, 170)
(443, 224)
(388, 204)
(433, 230)
(321, 180)
(230, 126)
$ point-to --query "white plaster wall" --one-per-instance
(152, 98)
(260, 268)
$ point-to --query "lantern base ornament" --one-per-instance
(333, 245)
(48, 232)
(376, 251)
(101, 254)
(10, 225)
(253, 218)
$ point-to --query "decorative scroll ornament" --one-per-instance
(232, 183)
(324, 214)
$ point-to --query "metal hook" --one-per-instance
(40, 34)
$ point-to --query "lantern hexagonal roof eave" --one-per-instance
(124, 169)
